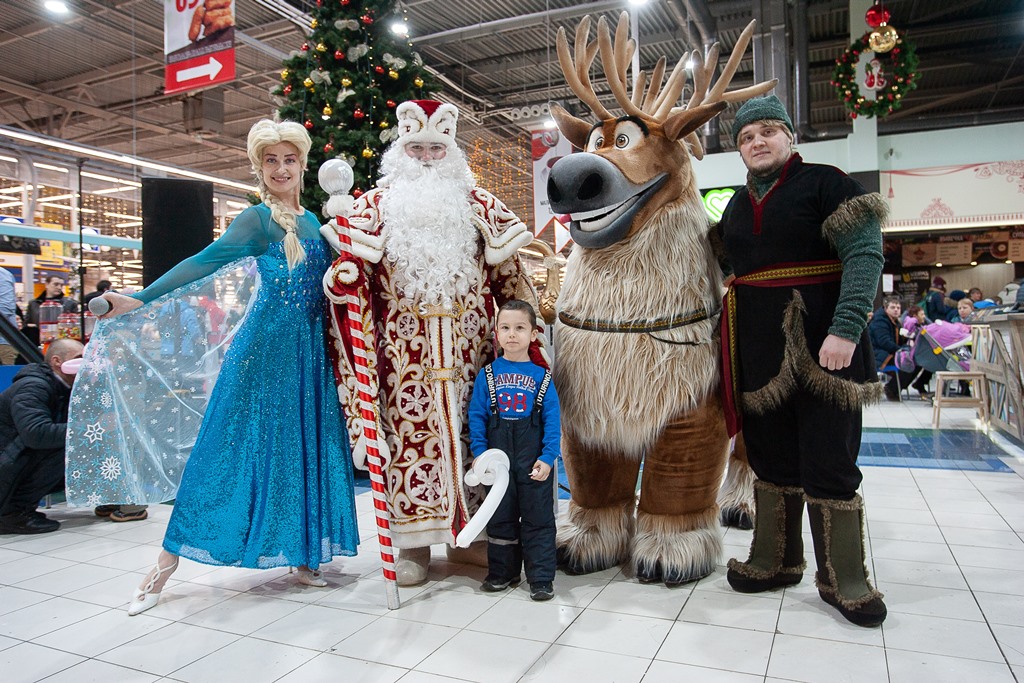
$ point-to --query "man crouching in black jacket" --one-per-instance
(33, 425)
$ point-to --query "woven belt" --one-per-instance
(783, 275)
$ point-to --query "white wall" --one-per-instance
(1001, 142)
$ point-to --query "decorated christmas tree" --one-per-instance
(344, 84)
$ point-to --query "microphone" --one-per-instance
(99, 306)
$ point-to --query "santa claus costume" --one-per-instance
(439, 256)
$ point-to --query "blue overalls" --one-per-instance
(522, 528)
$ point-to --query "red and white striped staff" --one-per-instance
(335, 181)
(366, 407)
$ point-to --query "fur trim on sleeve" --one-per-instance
(501, 229)
(854, 214)
(366, 231)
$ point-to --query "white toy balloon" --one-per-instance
(490, 468)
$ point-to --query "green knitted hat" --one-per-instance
(758, 109)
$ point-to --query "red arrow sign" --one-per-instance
(200, 72)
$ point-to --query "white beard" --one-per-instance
(432, 241)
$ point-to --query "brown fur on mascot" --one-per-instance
(637, 369)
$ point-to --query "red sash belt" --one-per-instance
(782, 275)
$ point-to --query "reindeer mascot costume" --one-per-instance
(637, 368)
(440, 256)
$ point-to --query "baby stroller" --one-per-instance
(930, 354)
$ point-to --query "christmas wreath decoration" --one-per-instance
(898, 69)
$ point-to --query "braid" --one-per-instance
(293, 250)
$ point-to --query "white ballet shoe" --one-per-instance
(145, 598)
(309, 577)
(411, 567)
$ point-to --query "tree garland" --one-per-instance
(899, 68)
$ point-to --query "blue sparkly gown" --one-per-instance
(269, 479)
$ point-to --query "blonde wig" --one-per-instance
(263, 134)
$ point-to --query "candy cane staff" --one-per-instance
(345, 284)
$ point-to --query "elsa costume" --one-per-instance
(218, 393)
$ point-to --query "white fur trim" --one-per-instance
(415, 126)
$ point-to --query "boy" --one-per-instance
(515, 409)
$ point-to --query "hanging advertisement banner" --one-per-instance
(548, 146)
(199, 44)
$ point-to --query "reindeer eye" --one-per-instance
(628, 135)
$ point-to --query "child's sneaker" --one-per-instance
(541, 591)
(495, 585)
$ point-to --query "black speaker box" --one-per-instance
(177, 222)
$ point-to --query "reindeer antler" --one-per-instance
(577, 74)
(659, 101)
(703, 72)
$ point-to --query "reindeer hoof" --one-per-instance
(671, 576)
(575, 566)
(737, 517)
(648, 573)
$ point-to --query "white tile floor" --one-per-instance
(946, 549)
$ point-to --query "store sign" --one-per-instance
(17, 245)
(199, 44)
(547, 146)
(716, 200)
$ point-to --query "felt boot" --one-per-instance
(777, 551)
(837, 527)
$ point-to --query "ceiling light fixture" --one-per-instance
(56, 6)
(126, 159)
(400, 28)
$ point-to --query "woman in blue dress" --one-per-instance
(269, 481)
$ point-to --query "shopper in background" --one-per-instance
(9, 310)
(54, 292)
(33, 424)
(101, 287)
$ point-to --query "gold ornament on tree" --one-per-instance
(392, 74)
(308, 82)
(284, 74)
(345, 81)
(367, 153)
(313, 23)
(327, 111)
(418, 82)
(320, 47)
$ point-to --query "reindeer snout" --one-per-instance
(584, 182)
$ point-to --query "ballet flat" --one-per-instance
(309, 577)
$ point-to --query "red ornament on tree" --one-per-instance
(328, 148)
(357, 193)
(305, 47)
(338, 54)
(287, 90)
(346, 3)
(877, 15)
(379, 69)
(358, 114)
(366, 19)
(308, 124)
(392, 104)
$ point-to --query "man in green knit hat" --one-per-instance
(804, 243)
